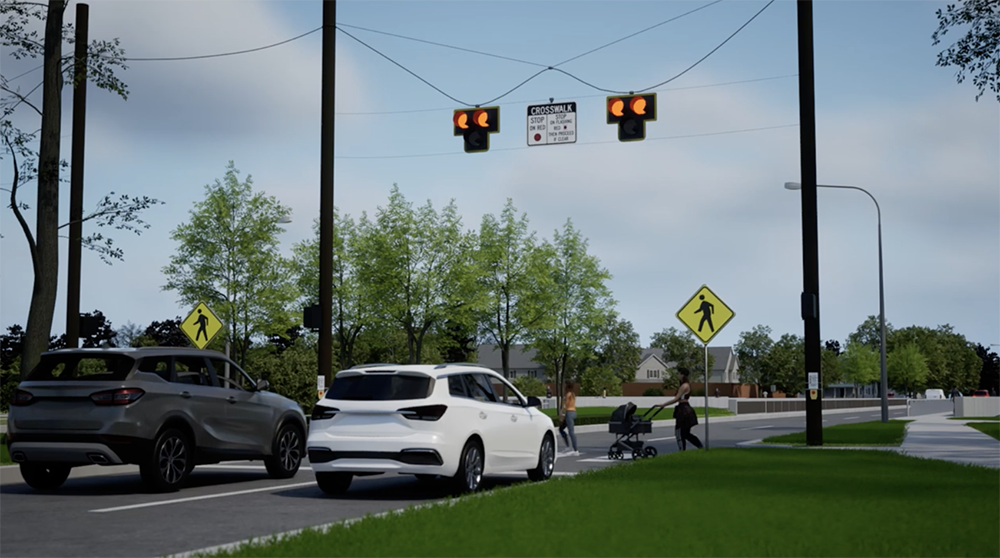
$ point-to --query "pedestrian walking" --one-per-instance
(567, 420)
(685, 416)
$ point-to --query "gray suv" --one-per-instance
(164, 409)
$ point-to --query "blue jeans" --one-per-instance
(570, 420)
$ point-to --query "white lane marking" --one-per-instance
(205, 497)
(851, 418)
(758, 427)
(254, 467)
(661, 439)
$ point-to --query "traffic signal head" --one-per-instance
(475, 126)
(631, 112)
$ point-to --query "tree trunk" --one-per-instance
(43, 292)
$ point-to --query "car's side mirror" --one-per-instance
(262, 385)
(534, 401)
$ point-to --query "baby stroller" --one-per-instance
(628, 427)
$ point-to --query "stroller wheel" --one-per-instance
(611, 453)
(619, 455)
(650, 451)
(636, 454)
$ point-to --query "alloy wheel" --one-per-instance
(473, 468)
(289, 449)
(548, 456)
(173, 459)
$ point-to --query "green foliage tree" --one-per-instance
(683, 350)
(860, 364)
(653, 392)
(752, 349)
(511, 269)
(20, 39)
(830, 366)
(977, 53)
(785, 364)
(417, 267)
(581, 304)
(291, 373)
(989, 375)
(619, 349)
(529, 386)
(906, 368)
(869, 333)
(228, 257)
(595, 379)
(351, 312)
(951, 359)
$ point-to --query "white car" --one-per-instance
(427, 420)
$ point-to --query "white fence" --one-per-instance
(639, 401)
(977, 406)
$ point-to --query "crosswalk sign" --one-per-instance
(201, 325)
(705, 314)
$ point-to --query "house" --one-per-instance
(650, 373)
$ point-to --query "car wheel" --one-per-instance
(171, 462)
(470, 468)
(44, 477)
(546, 460)
(287, 450)
(334, 483)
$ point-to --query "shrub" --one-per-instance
(653, 392)
(529, 386)
(291, 373)
(9, 378)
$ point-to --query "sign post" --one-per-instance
(201, 325)
(705, 309)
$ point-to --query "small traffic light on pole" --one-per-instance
(631, 112)
(475, 126)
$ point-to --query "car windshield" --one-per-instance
(77, 366)
(379, 387)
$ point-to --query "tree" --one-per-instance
(351, 313)
(228, 257)
(291, 372)
(977, 53)
(417, 268)
(619, 350)
(785, 364)
(594, 380)
(906, 368)
(581, 304)
(752, 349)
(127, 334)
(952, 361)
(830, 364)
(529, 386)
(103, 57)
(869, 333)
(683, 349)
(162, 334)
(860, 364)
(989, 375)
(511, 272)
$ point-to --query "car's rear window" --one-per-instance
(379, 387)
(77, 367)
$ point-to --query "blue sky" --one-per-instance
(699, 202)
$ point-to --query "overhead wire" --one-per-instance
(218, 55)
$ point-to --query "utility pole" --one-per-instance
(76, 178)
(329, 86)
(810, 225)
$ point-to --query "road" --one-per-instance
(112, 515)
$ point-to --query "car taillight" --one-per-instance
(22, 398)
(323, 413)
(427, 412)
(116, 396)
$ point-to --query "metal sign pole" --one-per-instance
(706, 396)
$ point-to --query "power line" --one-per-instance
(707, 134)
(451, 108)
(221, 54)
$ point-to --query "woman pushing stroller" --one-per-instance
(685, 416)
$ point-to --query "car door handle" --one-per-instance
(482, 415)
(513, 418)
(231, 399)
(186, 394)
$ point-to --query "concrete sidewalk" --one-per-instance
(934, 436)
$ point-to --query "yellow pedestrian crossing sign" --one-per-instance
(705, 314)
(201, 325)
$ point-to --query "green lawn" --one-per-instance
(601, 415)
(723, 502)
(4, 455)
(875, 433)
(991, 428)
(974, 418)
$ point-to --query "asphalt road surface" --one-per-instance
(107, 512)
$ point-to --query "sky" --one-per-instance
(699, 202)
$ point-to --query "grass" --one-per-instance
(4, 455)
(875, 433)
(974, 418)
(774, 502)
(601, 415)
(991, 428)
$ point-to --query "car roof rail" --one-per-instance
(447, 364)
(372, 365)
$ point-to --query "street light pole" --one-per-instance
(881, 292)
